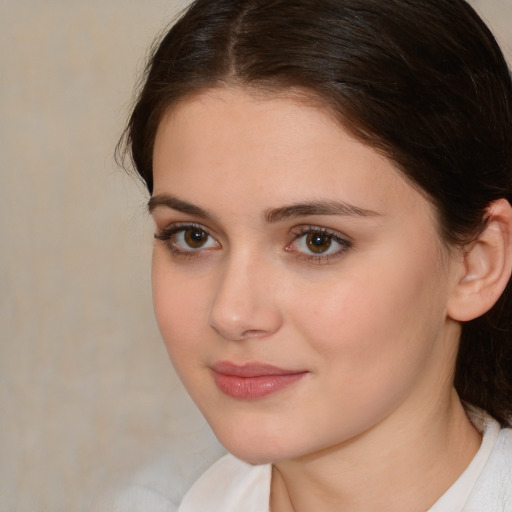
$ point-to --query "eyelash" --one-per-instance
(168, 235)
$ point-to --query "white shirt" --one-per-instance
(231, 485)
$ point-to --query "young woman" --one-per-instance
(331, 184)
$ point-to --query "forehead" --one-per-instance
(269, 150)
(247, 113)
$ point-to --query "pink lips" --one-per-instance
(252, 381)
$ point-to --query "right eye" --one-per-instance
(188, 238)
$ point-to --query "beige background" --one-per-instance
(87, 395)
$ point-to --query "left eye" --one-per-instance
(319, 243)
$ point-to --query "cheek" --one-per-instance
(374, 339)
(180, 306)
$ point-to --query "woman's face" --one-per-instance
(299, 281)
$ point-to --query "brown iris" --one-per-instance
(195, 238)
(318, 242)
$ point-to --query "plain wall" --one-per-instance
(87, 394)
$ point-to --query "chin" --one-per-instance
(253, 448)
(252, 455)
(258, 448)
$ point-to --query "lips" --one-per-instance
(253, 381)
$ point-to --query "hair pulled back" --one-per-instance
(424, 83)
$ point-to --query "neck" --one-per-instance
(398, 465)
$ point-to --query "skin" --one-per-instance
(367, 320)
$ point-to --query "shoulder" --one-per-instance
(493, 489)
(228, 485)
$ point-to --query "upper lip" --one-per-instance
(251, 369)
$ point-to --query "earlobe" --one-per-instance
(487, 266)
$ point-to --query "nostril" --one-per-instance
(252, 322)
(253, 333)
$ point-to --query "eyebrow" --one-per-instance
(317, 208)
(271, 216)
(179, 205)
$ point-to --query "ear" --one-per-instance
(486, 266)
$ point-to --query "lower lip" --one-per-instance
(251, 388)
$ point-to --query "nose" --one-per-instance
(245, 304)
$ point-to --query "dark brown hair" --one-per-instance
(423, 82)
